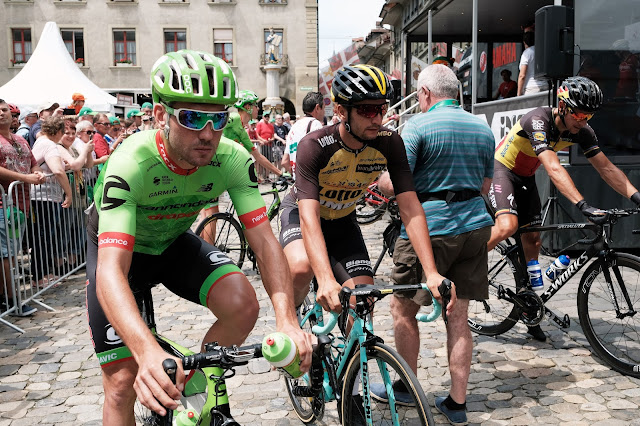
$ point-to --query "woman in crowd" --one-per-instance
(46, 198)
(77, 157)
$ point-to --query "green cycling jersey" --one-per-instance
(234, 130)
(144, 201)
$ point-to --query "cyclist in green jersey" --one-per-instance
(235, 130)
(146, 199)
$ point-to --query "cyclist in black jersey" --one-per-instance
(147, 197)
(335, 165)
(533, 141)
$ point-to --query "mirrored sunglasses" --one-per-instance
(580, 116)
(371, 110)
(197, 120)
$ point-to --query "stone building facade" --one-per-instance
(116, 42)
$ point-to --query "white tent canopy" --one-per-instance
(50, 75)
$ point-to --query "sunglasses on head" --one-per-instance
(370, 110)
(197, 120)
(580, 116)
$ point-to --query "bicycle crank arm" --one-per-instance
(563, 322)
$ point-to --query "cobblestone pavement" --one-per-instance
(50, 375)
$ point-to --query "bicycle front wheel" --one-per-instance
(145, 417)
(613, 333)
(384, 366)
(224, 232)
(308, 409)
(497, 314)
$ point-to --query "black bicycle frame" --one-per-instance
(596, 245)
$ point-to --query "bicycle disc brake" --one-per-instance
(219, 419)
(531, 309)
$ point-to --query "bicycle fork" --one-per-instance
(606, 261)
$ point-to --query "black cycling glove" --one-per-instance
(595, 215)
(636, 198)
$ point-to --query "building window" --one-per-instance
(21, 45)
(273, 41)
(124, 46)
(174, 40)
(223, 44)
(272, 1)
(74, 40)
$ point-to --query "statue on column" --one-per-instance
(274, 41)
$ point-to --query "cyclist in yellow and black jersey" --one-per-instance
(335, 165)
(533, 141)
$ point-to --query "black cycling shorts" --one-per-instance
(514, 194)
(347, 251)
(189, 268)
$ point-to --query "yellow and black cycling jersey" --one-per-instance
(337, 176)
(536, 132)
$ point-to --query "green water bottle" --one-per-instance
(187, 418)
(281, 352)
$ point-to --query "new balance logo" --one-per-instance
(205, 188)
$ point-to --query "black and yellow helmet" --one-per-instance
(580, 93)
(360, 82)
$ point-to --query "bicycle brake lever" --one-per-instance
(170, 367)
(445, 292)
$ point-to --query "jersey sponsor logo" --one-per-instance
(254, 218)
(384, 133)
(217, 258)
(252, 173)
(112, 337)
(109, 202)
(336, 170)
(164, 180)
(153, 165)
(511, 198)
(326, 140)
(540, 146)
(215, 163)
(205, 188)
(370, 168)
(537, 124)
(340, 195)
(539, 136)
(160, 216)
(116, 239)
(178, 206)
(173, 190)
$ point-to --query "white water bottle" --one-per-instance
(535, 275)
(557, 267)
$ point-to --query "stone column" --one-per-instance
(272, 102)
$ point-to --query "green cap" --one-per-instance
(147, 105)
(86, 111)
(135, 113)
(114, 120)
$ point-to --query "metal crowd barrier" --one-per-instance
(48, 242)
(273, 153)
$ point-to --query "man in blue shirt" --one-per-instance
(450, 153)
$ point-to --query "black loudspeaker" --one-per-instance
(396, 91)
(554, 42)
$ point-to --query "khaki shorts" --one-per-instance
(461, 258)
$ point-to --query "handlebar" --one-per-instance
(362, 292)
(220, 356)
(282, 183)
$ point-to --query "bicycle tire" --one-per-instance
(367, 214)
(146, 417)
(615, 340)
(308, 409)
(379, 355)
(497, 315)
(229, 237)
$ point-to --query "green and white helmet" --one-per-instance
(193, 76)
(246, 97)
